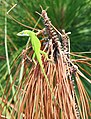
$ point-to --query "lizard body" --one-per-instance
(36, 45)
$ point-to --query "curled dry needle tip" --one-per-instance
(63, 31)
(42, 8)
(38, 12)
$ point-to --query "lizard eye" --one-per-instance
(22, 33)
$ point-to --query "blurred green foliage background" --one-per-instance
(71, 15)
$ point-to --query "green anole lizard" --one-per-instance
(36, 45)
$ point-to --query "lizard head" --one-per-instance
(25, 33)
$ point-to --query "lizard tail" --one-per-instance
(47, 81)
(46, 78)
